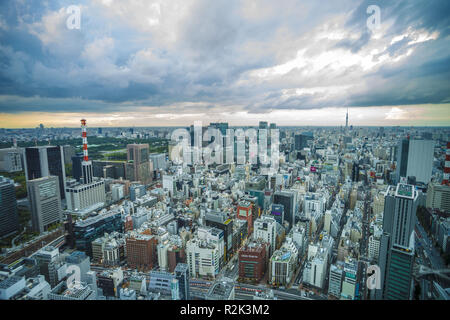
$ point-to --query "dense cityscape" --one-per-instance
(350, 213)
(209, 159)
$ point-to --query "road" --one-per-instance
(433, 255)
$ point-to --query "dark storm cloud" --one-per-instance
(209, 52)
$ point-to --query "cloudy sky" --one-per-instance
(172, 62)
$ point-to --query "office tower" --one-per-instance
(9, 219)
(46, 161)
(182, 275)
(69, 152)
(265, 229)
(400, 205)
(76, 166)
(438, 197)
(45, 202)
(402, 158)
(84, 198)
(138, 159)
(263, 125)
(221, 221)
(286, 199)
(301, 141)
(399, 281)
(10, 160)
(141, 251)
(415, 159)
(397, 242)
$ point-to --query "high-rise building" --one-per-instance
(138, 157)
(265, 228)
(415, 159)
(221, 221)
(9, 219)
(69, 152)
(46, 161)
(286, 199)
(397, 242)
(45, 202)
(141, 251)
(301, 141)
(182, 275)
(438, 197)
(10, 160)
(76, 166)
(85, 196)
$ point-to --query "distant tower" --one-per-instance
(447, 166)
(346, 120)
(86, 165)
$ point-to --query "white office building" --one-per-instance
(83, 196)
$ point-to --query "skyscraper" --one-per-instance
(138, 157)
(286, 199)
(397, 242)
(415, 159)
(45, 202)
(76, 166)
(46, 161)
(9, 220)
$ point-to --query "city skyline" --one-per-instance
(150, 63)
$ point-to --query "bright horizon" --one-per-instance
(159, 63)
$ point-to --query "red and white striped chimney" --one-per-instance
(447, 166)
(84, 136)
